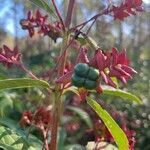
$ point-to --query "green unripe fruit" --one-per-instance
(81, 69)
(93, 74)
(85, 76)
(89, 84)
(77, 81)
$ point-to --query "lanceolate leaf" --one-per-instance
(120, 93)
(92, 43)
(61, 139)
(45, 6)
(110, 91)
(72, 89)
(82, 40)
(82, 114)
(88, 40)
(22, 83)
(117, 133)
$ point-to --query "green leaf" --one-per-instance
(22, 83)
(11, 124)
(6, 104)
(72, 89)
(88, 40)
(82, 114)
(82, 40)
(92, 43)
(10, 140)
(120, 93)
(117, 133)
(45, 6)
(61, 139)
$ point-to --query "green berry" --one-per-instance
(85, 76)
(77, 81)
(93, 74)
(89, 84)
(81, 70)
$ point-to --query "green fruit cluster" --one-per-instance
(85, 76)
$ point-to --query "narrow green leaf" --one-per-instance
(117, 133)
(92, 43)
(88, 40)
(82, 114)
(71, 89)
(82, 40)
(45, 6)
(122, 94)
(22, 83)
(61, 139)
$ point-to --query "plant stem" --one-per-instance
(91, 26)
(55, 122)
(69, 13)
(58, 14)
(103, 12)
(57, 97)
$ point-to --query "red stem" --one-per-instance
(67, 46)
(69, 13)
(90, 27)
(57, 100)
(55, 123)
(58, 14)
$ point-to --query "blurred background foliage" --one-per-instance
(132, 34)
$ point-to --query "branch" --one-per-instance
(58, 14)
(104, 12)
(69, 13)
(91, 26)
